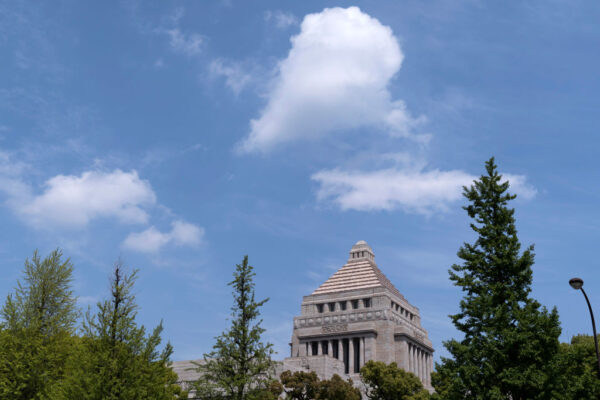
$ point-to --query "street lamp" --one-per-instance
(577, 284)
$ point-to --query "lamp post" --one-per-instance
(577, 284)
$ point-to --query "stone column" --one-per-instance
(428, 369)
(419, 363)
(340, 350)
(350, 355)
(319, 348)
(302, 349)
(416, 360)
(425, 374)
(361, 352)
(410, 364)
(403, 362)
(422, 366)
(412, 359)
(370, 348)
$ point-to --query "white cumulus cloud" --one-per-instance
(335, 77)
(74, 201)
(152, 240)
(414, 191)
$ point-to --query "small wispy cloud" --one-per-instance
(186, 43)
(236, 76)
(152, 240)
(281, 19)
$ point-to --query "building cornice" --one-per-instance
(414, 340)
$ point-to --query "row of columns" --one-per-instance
(420, 363)
(353, 358)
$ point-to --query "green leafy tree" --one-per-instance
(576, 370)
(240, 362)
(36, 334)
(509, 340)
(115, 359)
(300, 385)
(388, 382)
(269, 391)
(337, 389)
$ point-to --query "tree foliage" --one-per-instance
(509, 340)
(576, 370)
(240, 363)
(388, 382)
(337, 389)
(37, 328)
(115, 359)
(302, 385)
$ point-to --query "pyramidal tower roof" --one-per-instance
(360, 272)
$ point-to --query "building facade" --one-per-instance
(355, 316)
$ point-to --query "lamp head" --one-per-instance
(576, 283)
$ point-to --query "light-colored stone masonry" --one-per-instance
(358, 315)
(355, 316)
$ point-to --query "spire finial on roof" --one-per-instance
(361, 251)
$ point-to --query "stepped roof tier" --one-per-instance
(360, 272)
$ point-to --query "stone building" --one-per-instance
(355, 316)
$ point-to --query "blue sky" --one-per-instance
(181, 136)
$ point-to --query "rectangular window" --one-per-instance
(331, 307)
(367, 303)
(354, 305)
(324, 345)
(315, 348)
(320, 308)
(343, 305)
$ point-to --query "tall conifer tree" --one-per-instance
(115, 359)
(509, 339)
(37, 329)
(240, 365)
